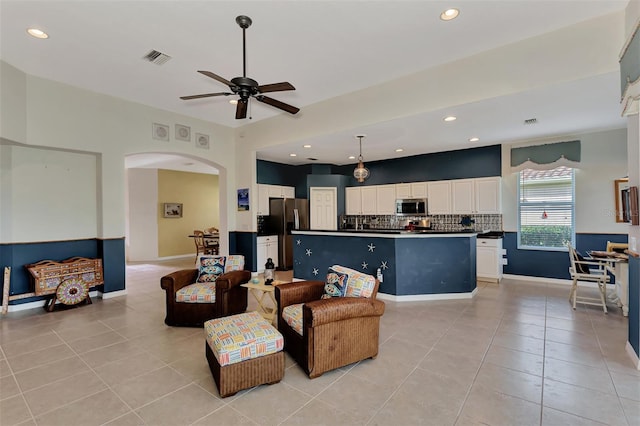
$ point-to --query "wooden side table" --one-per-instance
(262, 293)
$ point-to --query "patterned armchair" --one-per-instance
(211, 290)
(322, 332)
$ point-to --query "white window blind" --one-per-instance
(546, 208)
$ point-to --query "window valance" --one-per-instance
(546, 157)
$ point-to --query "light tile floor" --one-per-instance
(517, 354)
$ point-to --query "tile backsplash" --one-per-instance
(439, 222)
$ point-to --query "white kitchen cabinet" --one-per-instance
(489, 259)
(266, 191)
(353, 200)
(411, 190)
(369, 196)
(488, 195)
(279, 191)
(462, 196)
(476, 196)
(385, 199)
(439, 197)
(262, 200)
(361, 200)
(267, 247)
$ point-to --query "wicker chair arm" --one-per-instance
(326, 311)
(298, 292)
(231, 279)
(178, 279)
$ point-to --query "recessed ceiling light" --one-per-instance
(293, 155)
(351, 157)
(37, 33)
(233, 102)
(399, 150)
(450, 118)
(474, 139)
(449, 14)
(306, 146)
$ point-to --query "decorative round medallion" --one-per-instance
(161, 132)
(72, 291)
(183, 132)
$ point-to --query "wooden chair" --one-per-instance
(212, 244)
(590, 271)
(201, 247)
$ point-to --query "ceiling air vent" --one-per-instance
(156, 57)
(531, 121)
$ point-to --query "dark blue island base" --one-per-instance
(414, 266)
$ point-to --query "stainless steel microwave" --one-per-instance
(411, 207)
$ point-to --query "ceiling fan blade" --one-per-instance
(275, 103)
(205, 95)
(276, 87)
(241, 109)
(216, 77)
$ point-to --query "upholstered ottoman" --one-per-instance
(243, 351)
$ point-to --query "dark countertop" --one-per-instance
(397, 231)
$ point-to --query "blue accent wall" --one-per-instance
(19, 254)
(410, 266)
(244, 243)
(461, 164)
(634, 303)
(556, 263)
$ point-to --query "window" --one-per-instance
(546, 208)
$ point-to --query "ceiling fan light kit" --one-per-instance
(360, 172)
(246, 87)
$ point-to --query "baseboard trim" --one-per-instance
(39, 303)
(426, 297)
(632, 354)
(112, 294)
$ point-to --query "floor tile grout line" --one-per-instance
(19, 387)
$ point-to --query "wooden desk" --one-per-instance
(262, 293)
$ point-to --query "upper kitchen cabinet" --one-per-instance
(353, 200)
(488, 193)
(277, 191)
(411, 190)
(385, 199)
(262, 200)
(439, 201)
(361, 200)
(271, 191)
(462, 196)
(476, 196)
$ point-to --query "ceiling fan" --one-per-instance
(246, 87)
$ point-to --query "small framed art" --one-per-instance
(172, 210)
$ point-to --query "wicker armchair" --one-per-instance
(230, 297)
(335, 332)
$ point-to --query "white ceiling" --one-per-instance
(324, 48)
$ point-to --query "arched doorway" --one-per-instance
(153, 179)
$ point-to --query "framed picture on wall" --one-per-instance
(172, 210)
(243, 199)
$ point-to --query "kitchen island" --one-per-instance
(423, 265)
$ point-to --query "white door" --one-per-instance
(324, 208)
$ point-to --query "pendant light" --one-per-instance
(360, 172)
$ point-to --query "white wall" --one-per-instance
(142, 241)
(60, 116)
(603, 160)
(48, 195)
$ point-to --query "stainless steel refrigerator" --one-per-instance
(285, 215)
